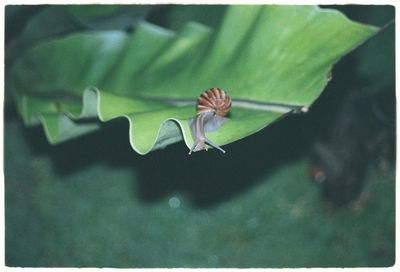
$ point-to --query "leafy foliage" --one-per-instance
(47, 22)
(267, 54)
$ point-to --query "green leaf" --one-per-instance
(209, 15)
(261, 54)
(53, 21)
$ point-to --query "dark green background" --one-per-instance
(88, 203)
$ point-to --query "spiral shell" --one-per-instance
(214, 100)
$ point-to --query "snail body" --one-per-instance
(211, 108)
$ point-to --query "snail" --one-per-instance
(211, 108)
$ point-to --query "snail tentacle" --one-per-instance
(198, 133)
(212, 106)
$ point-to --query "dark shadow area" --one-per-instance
(212, 177)
(16, 18)
(360, 111)
(174, 17)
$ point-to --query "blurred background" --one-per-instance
(312, 190)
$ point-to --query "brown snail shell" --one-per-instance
(214, 100)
